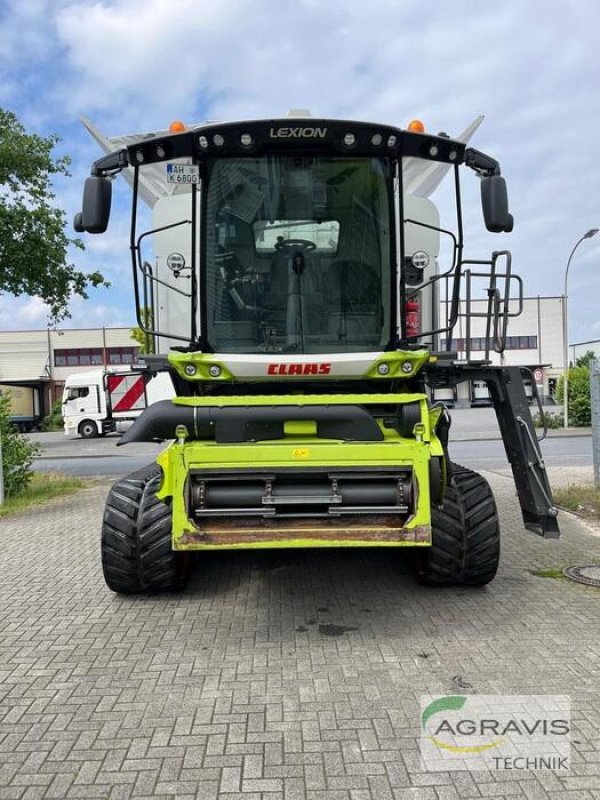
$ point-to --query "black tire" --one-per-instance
(136, 537)
(466, 535)
(88, 429)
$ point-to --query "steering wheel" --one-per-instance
(288, 246)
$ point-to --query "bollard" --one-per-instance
(595, 403)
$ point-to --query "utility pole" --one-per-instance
(595, 402)
(588, 235)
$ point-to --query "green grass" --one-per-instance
(549, 573)
(583, 500)
(43, 487)
(553, 421)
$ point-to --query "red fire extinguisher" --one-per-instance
(413, 322)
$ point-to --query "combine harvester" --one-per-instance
(303, 329)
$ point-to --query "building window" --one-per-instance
(84, 357)
(78, 357)
(521, 342)
(455, 344)
(478, 343)
(121, 355)
(92, 356)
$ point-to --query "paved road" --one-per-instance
(474, 437)
(277, 676)
(573, 451)
(91, 457)
(477, 454)
(94, 466)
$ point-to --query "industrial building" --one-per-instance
(534, 340)
(579, 349)
(42, 359)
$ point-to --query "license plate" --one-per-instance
(183, 173)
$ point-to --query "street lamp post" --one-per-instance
(588, 235)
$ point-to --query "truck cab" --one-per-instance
(84, 404)
(99, 402)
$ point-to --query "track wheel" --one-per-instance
(465, 533)
(136, 537)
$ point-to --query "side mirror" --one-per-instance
(494, 202)
(95, 213)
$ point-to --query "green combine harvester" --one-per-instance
(308, 331)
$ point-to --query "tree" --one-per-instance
(580, 410)
(33, 241)
(54, 420)
(17, 452)
(145, 340)
(586, 359)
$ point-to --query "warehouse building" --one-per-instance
(534, 340)
(42, 359)
(39, 361)
(579, 349)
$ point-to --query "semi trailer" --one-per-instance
(25, 406)
(98, 402)
(305, 343)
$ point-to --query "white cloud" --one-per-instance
(102, 309)
(137, 64)
(24, 28)
(22, 313)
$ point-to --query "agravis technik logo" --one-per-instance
(495, 732)
(444, 729)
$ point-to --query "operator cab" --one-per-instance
(294, 238)
(298, 254)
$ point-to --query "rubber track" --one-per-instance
(466, 534)
(136, 536)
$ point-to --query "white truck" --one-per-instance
(97, 402)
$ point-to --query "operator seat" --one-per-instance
(354, 297)
(309, 284)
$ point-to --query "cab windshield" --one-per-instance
(297, 254)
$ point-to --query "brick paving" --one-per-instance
(280, 676)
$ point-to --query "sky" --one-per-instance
(532, 68)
